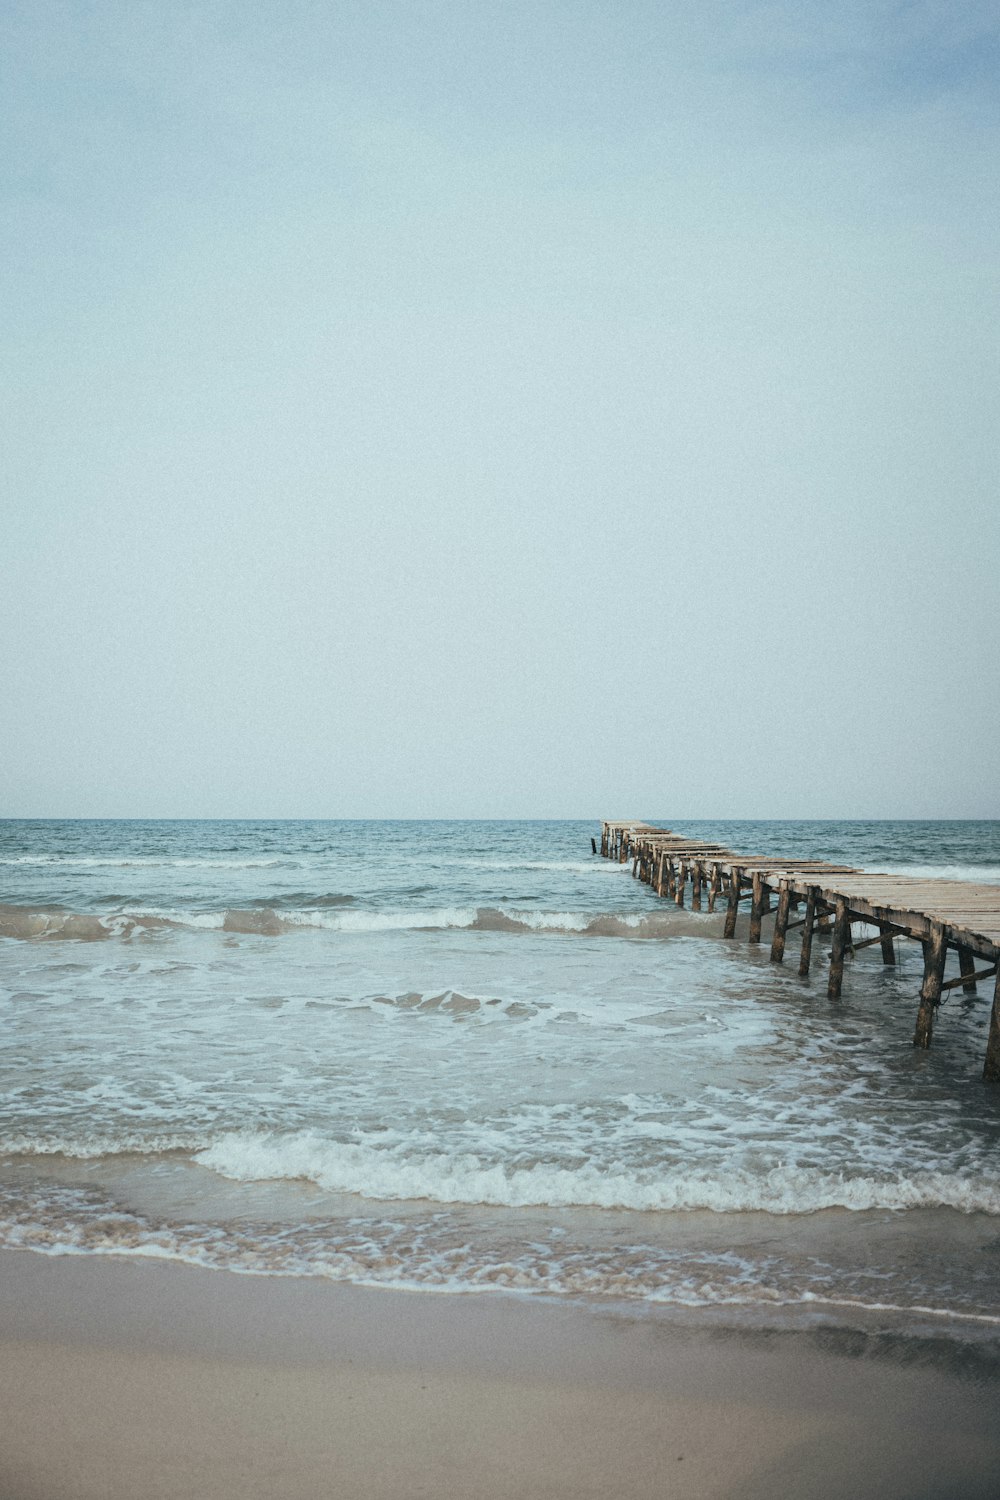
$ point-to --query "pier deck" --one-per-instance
(944, 916)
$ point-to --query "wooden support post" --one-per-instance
(935, 953)
(713, 887)
(807, 931)
(991, 1067)
(757, 907)
(841, 939)
(696, 886)
(781, 923)
(888, 948)
(823, 922)
(682, 875)
(732, 910)
(967, 968)
(671, 878)
(658, 874)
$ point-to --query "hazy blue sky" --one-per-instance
(500, 408)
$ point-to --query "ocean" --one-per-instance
(458, 1056)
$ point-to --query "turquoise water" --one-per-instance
(457, 1055)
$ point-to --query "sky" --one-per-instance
(448, 409)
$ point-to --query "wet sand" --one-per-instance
(136, 1378)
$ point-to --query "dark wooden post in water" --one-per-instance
(888, 948)
(841, 939)
(935, 953)
(713, 887)
(967, 968)
(757, 907)
(732, 910)
(696, 885)
(991, 1067)
(781, 923)
(807, 931)
(682, 875)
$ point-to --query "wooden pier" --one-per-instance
(944, 916)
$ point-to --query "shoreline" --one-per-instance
(121, 1378)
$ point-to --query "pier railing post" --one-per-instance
(935, 953)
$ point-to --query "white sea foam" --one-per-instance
(29, 922)
(440, 1251)
(150, 861)
(368, 1069)
(400, 1172)
(974, 874)
(592, 866)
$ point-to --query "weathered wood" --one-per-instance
(735, 891)
(841, 939)
(760, 895)
(781, 923)
(935, 953)
(880, 937)
(963, 979)
(937, 913)
(967, 967)
(991, 1067)
(807, 931)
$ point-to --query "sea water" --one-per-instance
(460, 1055)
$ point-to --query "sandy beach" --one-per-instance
(123, 1378)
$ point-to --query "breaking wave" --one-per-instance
(468, 1178)
(42, 923)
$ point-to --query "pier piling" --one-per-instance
(939, 914)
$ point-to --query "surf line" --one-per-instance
(944, 916)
